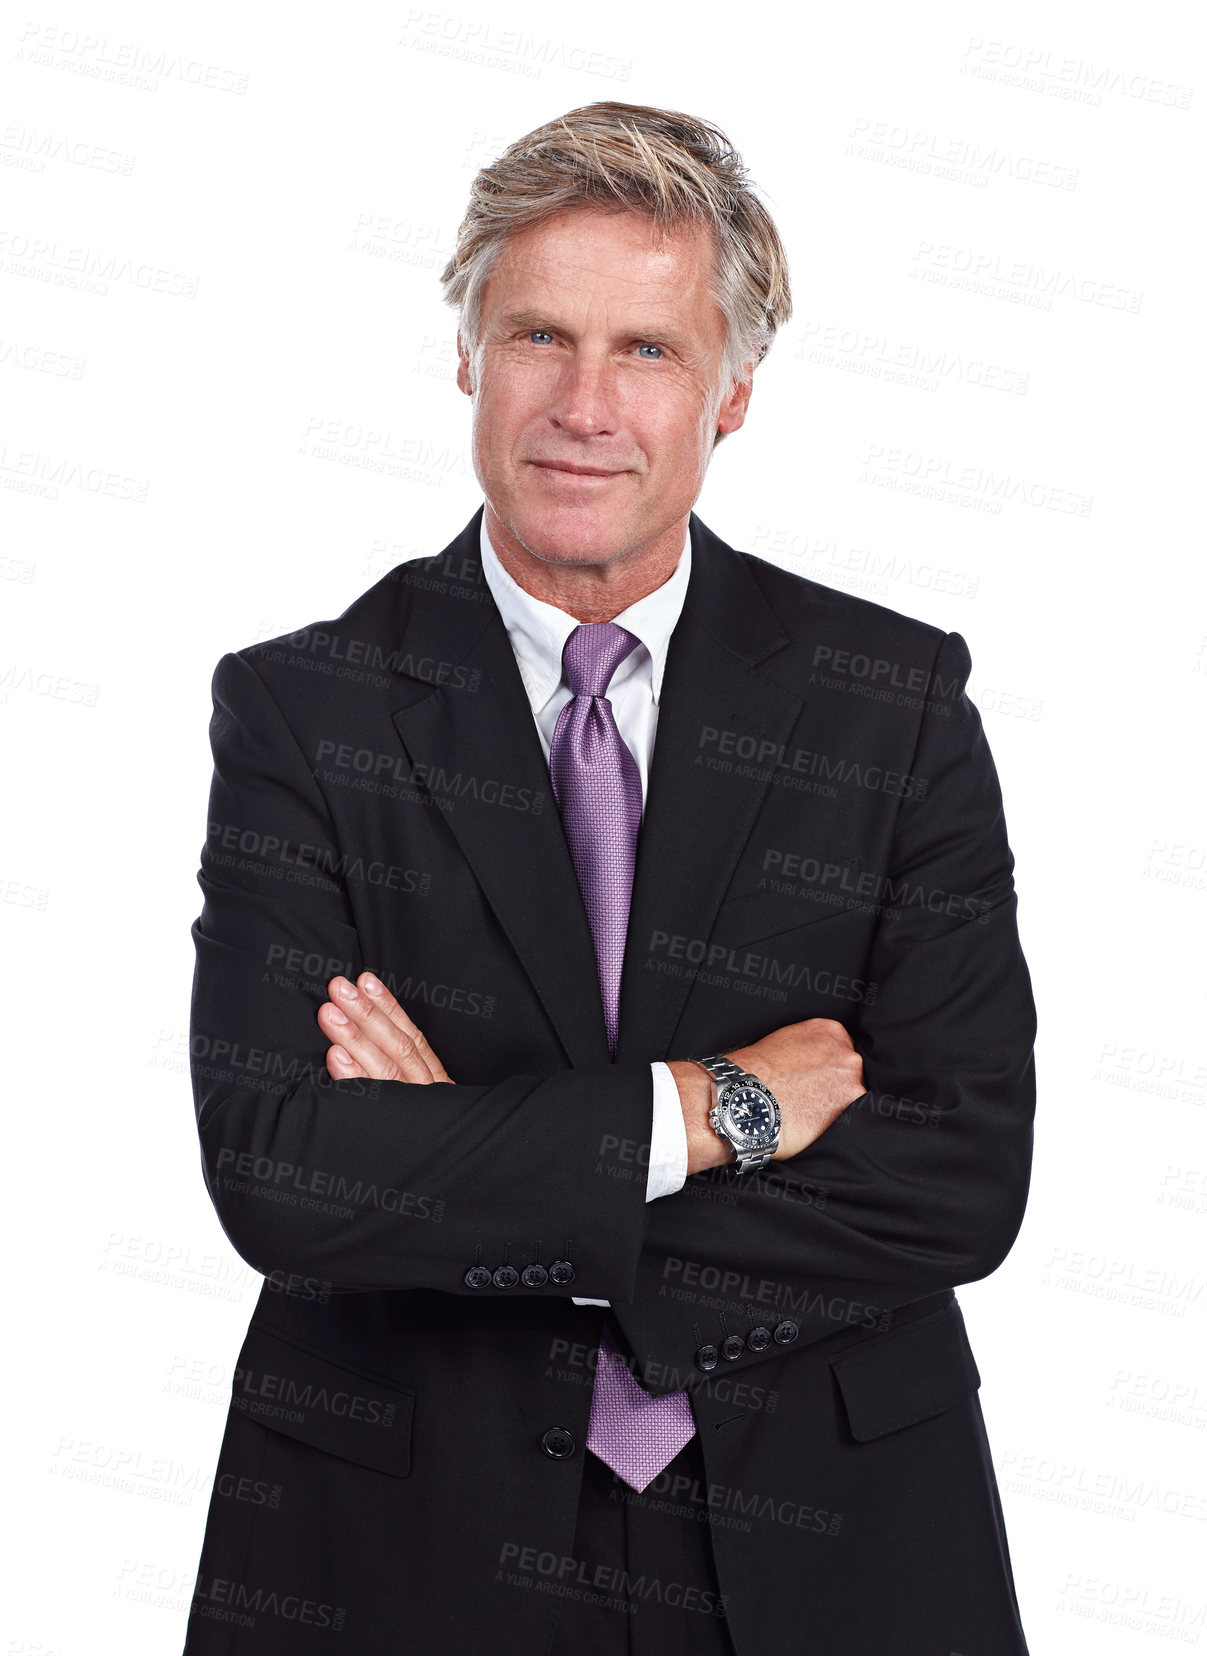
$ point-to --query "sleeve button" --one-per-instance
(706, 1357)
(561, 1272)
(758, 1339)
(506, 1277)
(534, 1276)
(557, 1443)
(477, 1276)
(733, 1348)
(785, 1332)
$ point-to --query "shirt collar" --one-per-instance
(538, 631)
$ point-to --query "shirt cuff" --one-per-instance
(668, 1138)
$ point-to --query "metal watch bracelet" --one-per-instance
(724, 1070)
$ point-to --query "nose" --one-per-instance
(584, 397)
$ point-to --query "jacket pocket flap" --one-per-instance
(902, 1377)
(753, 915)
(317, 1400)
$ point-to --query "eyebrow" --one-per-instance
(526, 319)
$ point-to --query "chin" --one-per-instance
(568, 536)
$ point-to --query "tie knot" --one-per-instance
(592, 653)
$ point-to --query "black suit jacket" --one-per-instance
(823, 837)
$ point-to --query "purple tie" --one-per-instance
(598, 790)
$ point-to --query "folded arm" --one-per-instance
(369, 1183)
(921, 1183)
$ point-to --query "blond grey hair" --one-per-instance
(676, 169)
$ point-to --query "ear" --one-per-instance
(464, 382)
(732, 411)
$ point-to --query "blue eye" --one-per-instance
(657, 348)
(544, 333)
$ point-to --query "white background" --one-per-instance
(219, 308)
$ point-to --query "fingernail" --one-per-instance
(341, 1057)
(370, 984)
(337, 1016)
(346, 989)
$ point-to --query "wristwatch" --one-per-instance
(746, 1114)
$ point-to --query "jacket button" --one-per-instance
(558, 1443)
(706, 1357)
(759, 1339)
(506, 1277)
(733, 1348)
(786, 1332)
(561, 1272)
(534, 1276)
(477, 1276)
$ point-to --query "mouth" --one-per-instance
(568, 469)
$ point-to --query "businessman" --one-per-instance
(610, 1035)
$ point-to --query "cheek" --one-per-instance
(508, 408)
(682, 430)
(686, 406)
(495, 425)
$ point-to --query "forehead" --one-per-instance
(584, 257)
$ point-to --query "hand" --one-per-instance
(372, 1037)
(812, 1069)
(814, 1072)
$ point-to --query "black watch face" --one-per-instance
(750, 1115)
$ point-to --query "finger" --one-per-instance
(395, 1035)
(369, 1063)
(386, 1049)
(381, 997)
(368, 1058)
(341, 1066)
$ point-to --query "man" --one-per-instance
(611, 1039)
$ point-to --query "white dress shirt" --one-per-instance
(538, 634)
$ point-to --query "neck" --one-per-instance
(590, 591)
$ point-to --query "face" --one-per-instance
(596, 390)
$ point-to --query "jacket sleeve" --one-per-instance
(921, 1184)
(365, 1184)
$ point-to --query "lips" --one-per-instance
(574, 471)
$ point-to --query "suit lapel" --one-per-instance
(696, 818)
(487, 740)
